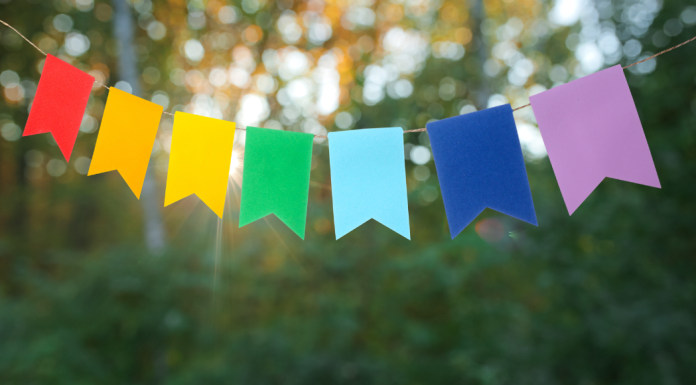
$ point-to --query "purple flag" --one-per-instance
(591, 130)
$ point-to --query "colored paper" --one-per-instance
(60, 103)
(199, 161)
(126, 136)
(479, 164)
(368, 179)
(276, 177)
(591, 130)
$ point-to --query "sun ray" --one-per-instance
(180, 213)
(218, 247)
(280, 238)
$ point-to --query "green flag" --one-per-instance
(276, 177)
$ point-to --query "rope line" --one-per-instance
(660, 53)
(406, 131)
(28, 41)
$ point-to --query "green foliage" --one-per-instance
(603, 297)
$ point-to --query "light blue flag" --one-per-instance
(368, 179)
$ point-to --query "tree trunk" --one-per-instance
(478, 15)
(128, 71)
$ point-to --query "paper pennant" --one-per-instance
(126, 136)
(591, 130)
(199, 161)
(59, 104)
(276, 177)
(479, 164)
(368, 179)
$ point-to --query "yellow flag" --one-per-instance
(199, 162)
(126, 136)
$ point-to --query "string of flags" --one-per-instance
(590, 127)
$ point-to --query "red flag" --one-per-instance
(60, 102)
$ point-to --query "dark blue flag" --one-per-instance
(479, 164)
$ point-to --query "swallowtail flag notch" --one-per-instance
(60, 103)
(199, 161)
(368, 179)
(479, 164)
(592, 131)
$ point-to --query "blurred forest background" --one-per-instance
(98, 287)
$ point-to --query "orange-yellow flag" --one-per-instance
(126, 136)
(199, 162)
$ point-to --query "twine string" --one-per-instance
(40, 50)
(28, 41)
(661, 52)
(636, 63)
(406, 131)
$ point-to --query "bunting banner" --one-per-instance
(126, 136)
(199, 161)
(590, 127)
(368, 179)
(592, 131)
(276, 177)
(479, 164)
(60, 103)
